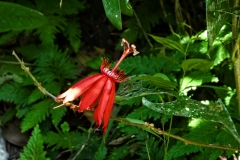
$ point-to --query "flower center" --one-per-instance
(117, 76)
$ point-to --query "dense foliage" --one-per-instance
(181, 101)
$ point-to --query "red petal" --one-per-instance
(92, 94)
(79, 88)
(98, 113)
(108, 110)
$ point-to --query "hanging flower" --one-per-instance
(99, 89)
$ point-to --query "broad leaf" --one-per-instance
(200, 64)
(113, 12)
(16, 17)
(126, 7)
(157, 81)
(187, 107)
(168, 43)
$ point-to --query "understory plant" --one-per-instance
(178, 101)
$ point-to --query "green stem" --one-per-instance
(168, 139)
(160, 132)
(147, 150)
(27, 70)
(236, 51)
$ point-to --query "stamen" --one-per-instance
(127, 51)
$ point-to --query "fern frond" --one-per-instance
(37, 114)
(119, 152)
(15, 92)
(48, 31)
(73, 33)
(57, 114)
(144, 114)
(54, 65)
(34, 149)
(101, 153)
(61, 140)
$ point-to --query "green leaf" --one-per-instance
(186, 107)
(101, 153)
(65, 127)
(157, 81)
(10, 113)
(57, 114)
(73, 33)
(8, 36)
(196, 78)
(16, 17)
(38, 113)
(126, 7)
(94, 63)
(119, 152)
(168, 43)
(34, 149)
(64, 140)
(113, 12)
(200, 64)
(137, 121)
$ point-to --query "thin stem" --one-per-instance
(147, 150)
(168, 138)
(10, 62)
(84, 144)
(144, 33)
(160, 132)
(69, 142)
(165, 15)
(27, 70)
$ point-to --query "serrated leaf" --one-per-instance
(61, 140)
(186, 107)
(168, 43)
(37, 114)
(35, 95)
(101, 153)
(34, 149)
(200, 64)
(57, 114)
(126, 7)
(73, 33)
(113, 12)
(16, 17)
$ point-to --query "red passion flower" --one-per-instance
(99, 89)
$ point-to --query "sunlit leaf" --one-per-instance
(186, 107)
(200, 64)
